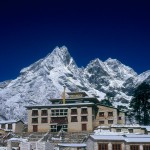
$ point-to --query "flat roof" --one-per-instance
(60, 105)
(75, 93)
(126, 126)
(108, 137)
(9, 121)
(129, 138)
(72, 144)
(76, 99)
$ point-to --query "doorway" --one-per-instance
(84, 127)
(59, 127)
(35, 128)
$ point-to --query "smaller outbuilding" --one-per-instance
(118, 142)
(15, 126)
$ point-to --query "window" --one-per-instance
(44, 120)
(110, 121)
(101, 122)
(84, 111)
(146, 147)
(53, 128)
(3, 126)
(65, 128)
(119, 118)
(43, 112)
(74, 119)
(101, 114)
(110, 113)
(118, 130)
(59, 112)
(34, 120)
(103, 147)
(34, 112)
(73, 111)
(84, 118)
(116, 146)
(9, 126)
(134, 147)
(130, 130)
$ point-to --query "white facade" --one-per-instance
(12, 126)
(122, 142)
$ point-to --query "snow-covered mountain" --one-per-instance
(45, 79)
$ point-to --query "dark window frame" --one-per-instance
(44, 120)
(3, 126)
(84, 118)
(110, 121)
(9, 126)
(34, 112)
(74, 119)
(110, 114)
(34, 120)
(84, 110)
(103, 146)
(44, 112)
(101, 122)
(73, 111)
(101, 114)
(116, 147)
(146, 147)
(134, 147)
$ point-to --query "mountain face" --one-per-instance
(45, 79)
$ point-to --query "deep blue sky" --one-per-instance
(29, 30)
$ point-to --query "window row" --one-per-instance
(3, 126)
(43, 113)
(43, 120)
(75, 119)
(103, 122)
(102, 114)
(129, 130)
(57, 112)
(60, 119)
(104, 146)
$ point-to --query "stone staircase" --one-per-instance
(64, 137)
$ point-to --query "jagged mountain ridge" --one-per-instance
(45, 78)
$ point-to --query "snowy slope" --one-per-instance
(45, 78)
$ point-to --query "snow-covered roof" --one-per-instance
(146, 127)
(17, 140)
(126, 138)
(72, 144)
(108, 137)
(137, 140)
(137, 135)
(125, 125)
(9, 121)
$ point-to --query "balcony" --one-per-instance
(59, 120)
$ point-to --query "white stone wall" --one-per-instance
(90, 145)
(36, 146)
(25, 146)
